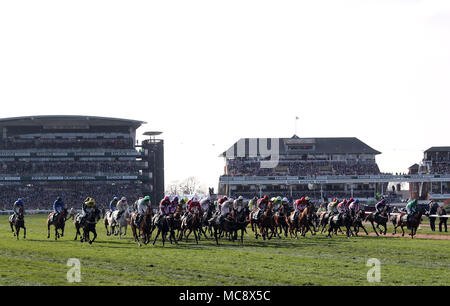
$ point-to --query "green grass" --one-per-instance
(313, 260)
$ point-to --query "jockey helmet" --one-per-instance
(240, 198)
(175, 199)
(166, 198)
(147, 198)
(279, 199)
(116, 199)
(306, 199)
(285, 200)
(59, 199)
(356, 201)
(124, 199)
(273, 199)
(19, 201)
(182, 201)
(302, 199)
(90, 201)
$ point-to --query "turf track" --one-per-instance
(314, 260)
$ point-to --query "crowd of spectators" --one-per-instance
(21, 168)
(238, 167)
(67, 143)
(440, 168)
(42, 196)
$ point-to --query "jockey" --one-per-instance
(17, 205)
(277, 203)
(411, 209)
(86, 207)
(322, 208)
(298, 206)
(341, 206)
(262, 205)
(58, 207)
(122, 205)
(380, 207)
(354, 207)
(164, 208)
(252, 203)
(113, 203)
(204, 203)
(332, 207)
(142, 208)
(135, 205)
(285, 204)
(219, 204)
(238, 204)
(227, 206)
(194, 206)
(173, 205)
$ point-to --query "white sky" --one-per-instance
(207, 73)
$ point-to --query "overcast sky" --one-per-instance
(207, 73)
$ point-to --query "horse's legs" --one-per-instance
(48, 230)
(374, 227)
(95, 236)
(157, 234)
(196, 236)
(77, 232)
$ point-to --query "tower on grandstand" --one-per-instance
(436, 162)
(153, 156)
(318, 167)
(43, 157)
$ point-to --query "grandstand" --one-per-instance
(43, 157)
(436, 161)
(307, 159)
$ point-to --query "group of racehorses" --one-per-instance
(180, 225)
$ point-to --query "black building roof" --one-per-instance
(438, 149)
(327, 145)
(43, 120)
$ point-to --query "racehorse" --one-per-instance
(240, 218)
(164, 225)
(226, 225)
(343, 219)
(207, 215)
(88, 226)
(17, 223)
(280, 220)
(323, 220)
(265, 223)
(189, 224)
(145, 227)
(123, 221)
(59, 222)
(414, 222)
(380, 219)
(110, 221)
(357, 222)
(300, 223)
